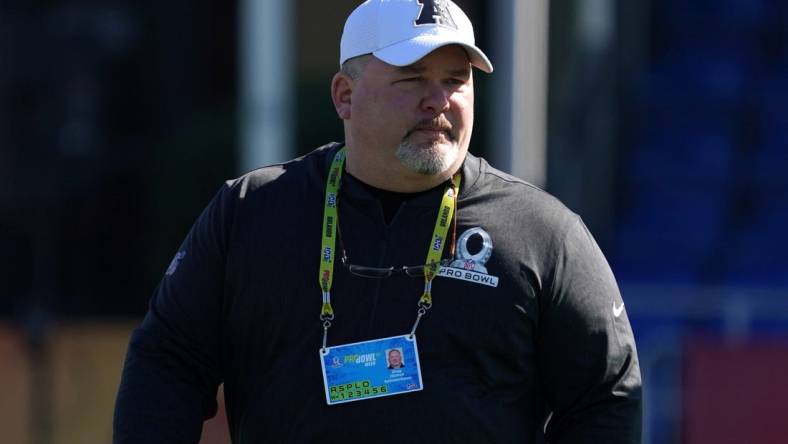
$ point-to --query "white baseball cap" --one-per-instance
(400, 32)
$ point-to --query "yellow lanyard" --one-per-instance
(328, 246)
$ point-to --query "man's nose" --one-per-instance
(436, 98)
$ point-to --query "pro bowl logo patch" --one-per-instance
(470, 267)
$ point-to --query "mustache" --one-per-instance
(440, 123)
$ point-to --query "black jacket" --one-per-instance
(240, 305)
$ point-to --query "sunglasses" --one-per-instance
(408, 270)
(380, 273)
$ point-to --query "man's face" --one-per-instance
(395, 359)
(418, 117)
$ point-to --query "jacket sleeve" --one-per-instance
(172, 369)
(588, 359)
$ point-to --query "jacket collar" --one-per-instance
(352, 187)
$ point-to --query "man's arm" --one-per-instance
(588, 360)
(172, 370)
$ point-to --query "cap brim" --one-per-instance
(409, 52)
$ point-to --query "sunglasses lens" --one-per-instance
(370, 272)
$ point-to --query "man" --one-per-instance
(512, 323)
(395, 359)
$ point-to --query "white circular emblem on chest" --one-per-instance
(473, 262)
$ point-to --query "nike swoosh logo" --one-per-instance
(618, 310)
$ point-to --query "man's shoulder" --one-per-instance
(296, 174)
(512, 195)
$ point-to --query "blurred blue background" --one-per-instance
(665, 127)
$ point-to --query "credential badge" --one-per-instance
(470, 267)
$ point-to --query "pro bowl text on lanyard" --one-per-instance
(380, 367)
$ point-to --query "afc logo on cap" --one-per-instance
(434, 12)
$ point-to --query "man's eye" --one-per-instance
(410, 79)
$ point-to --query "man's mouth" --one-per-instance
(433, 128)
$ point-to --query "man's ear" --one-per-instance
(341, 90)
